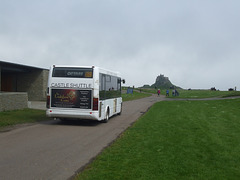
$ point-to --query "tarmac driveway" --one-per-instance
(56, 150)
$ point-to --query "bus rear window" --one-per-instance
(72, 72)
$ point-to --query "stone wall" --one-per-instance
(34, 83)
(13, 100)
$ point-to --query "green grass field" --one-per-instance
(196, 94)
(176, 140)
(9, 118)
(205, 94)
(134, 96)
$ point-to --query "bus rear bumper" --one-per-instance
(72, 114)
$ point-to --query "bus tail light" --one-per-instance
(48, 101)
(95, 104)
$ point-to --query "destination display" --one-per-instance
(71, 98)
(72, 72)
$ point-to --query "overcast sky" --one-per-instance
(196, 43)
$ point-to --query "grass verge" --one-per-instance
(134, 96)
(196, 94)
(176, 140)
(10, 118)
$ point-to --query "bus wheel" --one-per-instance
(107, 117)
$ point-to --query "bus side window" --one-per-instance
(102, 88)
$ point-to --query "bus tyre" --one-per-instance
(107, 117)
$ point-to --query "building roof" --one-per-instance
(14, 67)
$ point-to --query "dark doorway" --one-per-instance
(8, 82)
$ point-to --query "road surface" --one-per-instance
(56, 150)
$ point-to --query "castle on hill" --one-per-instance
(161, 82)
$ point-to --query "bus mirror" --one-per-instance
(123, 81)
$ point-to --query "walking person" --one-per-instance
(173, 92)
(158, 92)
(167, 92)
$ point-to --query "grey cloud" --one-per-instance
(194, 43)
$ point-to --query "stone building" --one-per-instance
(20, 84)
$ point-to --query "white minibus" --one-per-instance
(76, 92)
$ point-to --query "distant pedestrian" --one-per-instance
(158, 92)
(173, 92)
(167, 92)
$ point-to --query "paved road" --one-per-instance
(56, 150)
